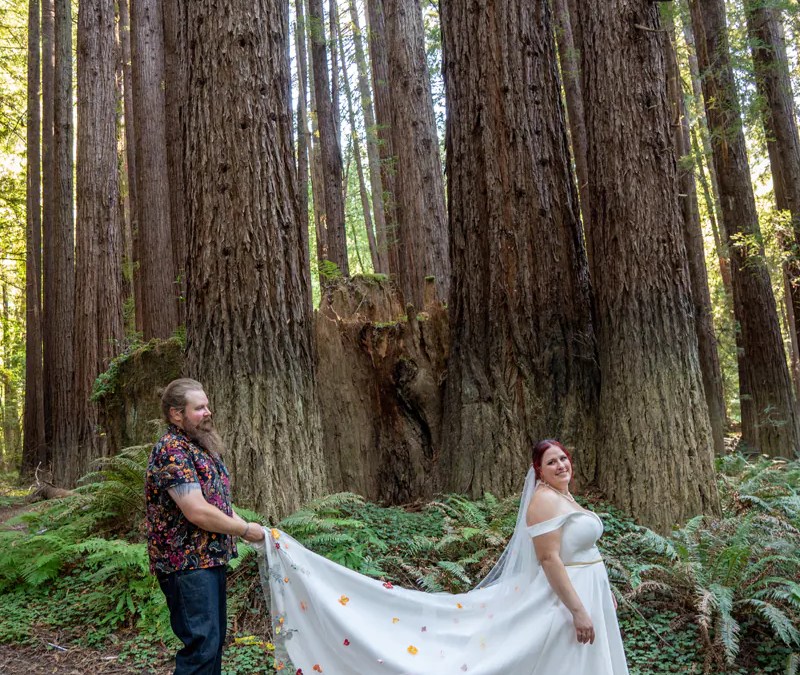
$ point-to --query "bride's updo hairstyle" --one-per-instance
(540, 448)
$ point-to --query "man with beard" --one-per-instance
(191, 525)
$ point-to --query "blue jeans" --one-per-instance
(197, 612)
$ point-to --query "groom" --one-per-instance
(191, 525)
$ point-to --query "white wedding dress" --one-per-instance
(329, 619)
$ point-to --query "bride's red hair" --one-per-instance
(540, 448)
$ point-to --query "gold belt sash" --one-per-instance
(588, 562)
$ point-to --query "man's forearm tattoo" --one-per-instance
(183, 489)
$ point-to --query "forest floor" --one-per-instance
(44, 659)
(52, 653)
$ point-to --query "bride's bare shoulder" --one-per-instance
(544, 505)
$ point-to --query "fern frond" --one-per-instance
(781, 623)
(455, 570)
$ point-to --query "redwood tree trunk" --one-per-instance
(302, 138)
(34, 448)
(571, 73)
(695, 252)
(130, 160)
(652, 409)
(780, 127)
(419, 186)
(522, 348)
(769, 419)
(98, 310)
(156, 263)
(373, 152)
(317, 182)
(362, 184)
(706, 158)
(60, 357)
(248, 321)
(48, 211)
(174, 102)
(379, 64)
(336, 238)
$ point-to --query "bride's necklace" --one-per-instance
(566, 495)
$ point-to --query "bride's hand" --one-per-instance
(584, 628)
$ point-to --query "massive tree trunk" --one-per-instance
(705, 158)
(379, 64)
(695, 252)
(780, 128)
(98, 310)
(419, 186)
(156, 262)
(335, 236)
(652, 409)
(34, 448)
(60, 307)
(769, 419)
(522, 364)
(333, 23)
(362, 184)
(48, 212)
(317, 182)
(174, 102)
(571, 74)
(373, 153)
(248, 321)
(130, 160)
(303, 143)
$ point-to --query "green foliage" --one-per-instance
(719, 595)
(107, 382)
(733, 577)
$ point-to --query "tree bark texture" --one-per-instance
(695, 251)
(60, 357)
(48, 210)
(373, 152)
(333, 30)
(379, 65)
(335, 235)
(156, 263)
(317, 181)
(98, 272)
(769, 419)
(571, 74)
(652, 410)
(522, 360)
(174, 12)
(362, 184)
(34, 446)
(249, 336)
(780, 128)
(380, 391)
(303, 142)
(130, 159)
(705, 158)
(422, 234)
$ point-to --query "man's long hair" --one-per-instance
(174, 395)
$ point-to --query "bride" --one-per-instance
(545, 608)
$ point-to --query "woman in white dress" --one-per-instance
(546, 607)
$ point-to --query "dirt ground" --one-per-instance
(41, 660)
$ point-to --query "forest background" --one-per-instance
(401, 241)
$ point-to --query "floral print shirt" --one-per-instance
(173, 543)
